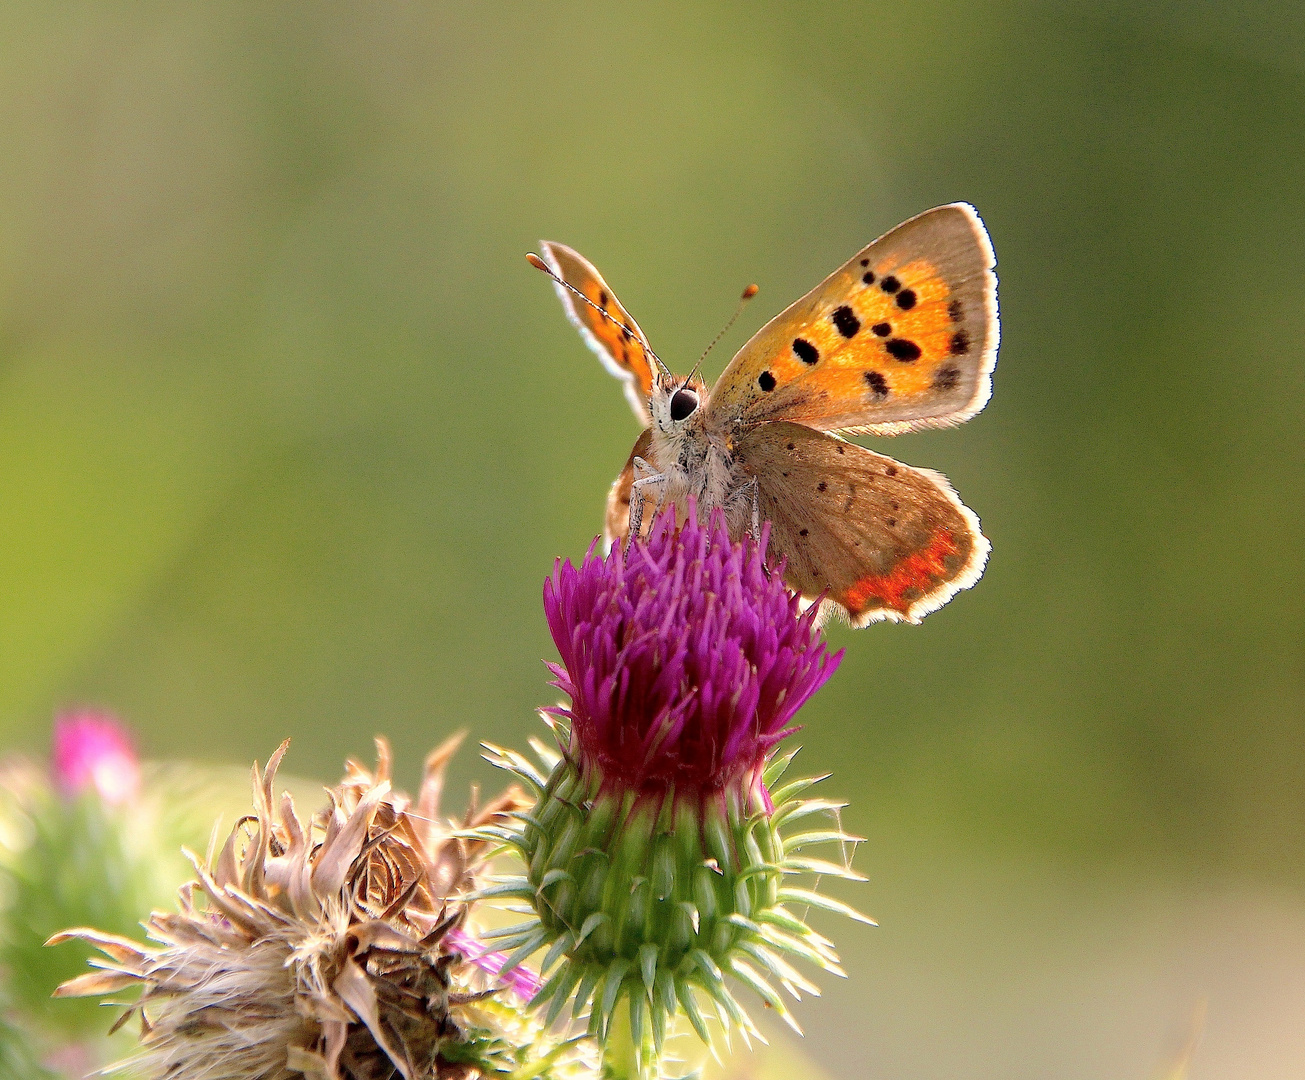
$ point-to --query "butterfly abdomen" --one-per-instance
(696, 466)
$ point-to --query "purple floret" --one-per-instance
(520, 980)
(684, 657)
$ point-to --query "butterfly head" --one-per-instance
(675, 402)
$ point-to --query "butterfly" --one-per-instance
(902, 336)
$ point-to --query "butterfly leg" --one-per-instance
(751, 492)
(652, 478)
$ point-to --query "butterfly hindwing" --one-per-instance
(617, 519)
(902, 336)
(616, 337)
(877, 538)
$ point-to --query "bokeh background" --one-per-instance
(290, 435)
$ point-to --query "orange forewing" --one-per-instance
(902, 336)
(615, 337)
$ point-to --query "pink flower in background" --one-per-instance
(95, 750)
(520, 980)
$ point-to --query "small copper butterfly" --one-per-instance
(902, 336)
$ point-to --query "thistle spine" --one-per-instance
(657, 898)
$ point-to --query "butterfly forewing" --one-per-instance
(875, 537)
(615, 337)
(903, 336)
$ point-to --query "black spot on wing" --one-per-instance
(960, 343)
(805, 351)
(906, 299)
(881, 329)
(766, 381)
(878, 386)
(902, 349)
(955, 311)
(844, 318)
(947, 379)
(890, 284)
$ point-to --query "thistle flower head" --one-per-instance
(656, 854)
(684, 657)
(322, 949)
(93, 751)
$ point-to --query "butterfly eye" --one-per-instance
(683, 402)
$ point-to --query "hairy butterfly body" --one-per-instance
(903, 336)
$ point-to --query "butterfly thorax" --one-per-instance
(691, 452)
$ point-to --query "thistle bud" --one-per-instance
(78, 842)
(658, 852)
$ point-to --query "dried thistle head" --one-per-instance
(326, 948)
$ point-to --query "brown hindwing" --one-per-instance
(617, 522)
(878, 539)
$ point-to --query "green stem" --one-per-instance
(620, 1062)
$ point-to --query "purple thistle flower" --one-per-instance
(94, 749)
(655, 860)
(685, 657)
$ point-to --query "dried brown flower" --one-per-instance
(321, 950)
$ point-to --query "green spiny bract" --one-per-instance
(658, 899)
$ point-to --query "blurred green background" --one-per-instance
(290, 435)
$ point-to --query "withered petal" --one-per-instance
(227, 869)
(376, 934)
(120, 948)
(354, 988)
(339, 852)
(311, 1064)
(94, 983)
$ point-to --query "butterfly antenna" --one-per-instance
(539, 264)
(748, 294)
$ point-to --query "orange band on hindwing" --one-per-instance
(918, 574)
